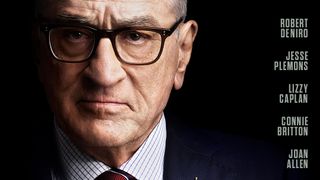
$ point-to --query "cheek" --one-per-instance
(167, 65)
(61, 82)
(158, 79)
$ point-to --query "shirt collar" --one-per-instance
(146, 163)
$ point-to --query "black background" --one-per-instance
(230, 84)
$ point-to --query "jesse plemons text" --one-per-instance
(294, 61)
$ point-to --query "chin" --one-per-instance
(107, 140)
(110, 135)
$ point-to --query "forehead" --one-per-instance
(109, 10)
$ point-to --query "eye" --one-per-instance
(75, 35)
(134, 36)
(137, 37)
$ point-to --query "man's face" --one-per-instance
(103, 102)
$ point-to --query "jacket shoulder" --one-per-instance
(219, 155)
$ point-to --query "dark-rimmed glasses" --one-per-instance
(75, 43)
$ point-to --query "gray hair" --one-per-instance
(179, 8)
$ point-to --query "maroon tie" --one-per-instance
(115, 174)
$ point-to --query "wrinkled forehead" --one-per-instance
(108, 12)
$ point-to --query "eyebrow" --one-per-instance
(66, 17)
(136, 21)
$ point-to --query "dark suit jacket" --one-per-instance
(193, 153)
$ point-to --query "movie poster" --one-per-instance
(253, 73)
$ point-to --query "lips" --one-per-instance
(100, 105)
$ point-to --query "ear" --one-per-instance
(187, 35)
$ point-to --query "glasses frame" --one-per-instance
(111, 34)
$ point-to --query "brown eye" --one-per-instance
(75, 36)
(134, 36)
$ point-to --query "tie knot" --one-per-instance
(115, 174)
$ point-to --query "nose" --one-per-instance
(104, 68)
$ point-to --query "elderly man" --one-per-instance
(108, 67)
